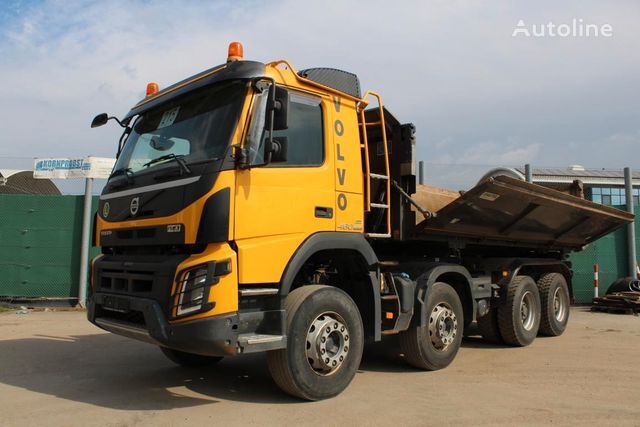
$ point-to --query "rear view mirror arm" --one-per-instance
(117, 121)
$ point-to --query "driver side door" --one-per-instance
(279, 205)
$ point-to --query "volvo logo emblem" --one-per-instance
(105, 209)
(134, 206)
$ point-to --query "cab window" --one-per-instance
(305, 135)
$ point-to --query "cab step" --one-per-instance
(254, 292)
(253, 343)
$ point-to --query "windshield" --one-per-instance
(194, 127)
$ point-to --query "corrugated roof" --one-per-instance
(588, 176)
(22, 182)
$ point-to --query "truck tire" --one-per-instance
(325, 340)
(488, 327)
(189, 360)
(519, 315)
(554, 298)
(435, 345)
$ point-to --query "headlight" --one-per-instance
(192, 290)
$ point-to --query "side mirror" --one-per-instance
(278, 104)
(281, 116)
(100, 120)
(278, 149)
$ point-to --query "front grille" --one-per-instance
(137, 276)
(124, 234)
(131, 282)
(136, 233)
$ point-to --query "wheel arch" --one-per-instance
(457, 277)
(357, 253)
(536, 269)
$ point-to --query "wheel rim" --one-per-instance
(527, 310)
(559, 305)
(327, 343)
(443, 326)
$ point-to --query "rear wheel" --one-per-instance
(435, 345)
(325, 339)
(189, 360)
(554, 297)
(488, 327)
(519, 315)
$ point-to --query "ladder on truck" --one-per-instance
(378, 175)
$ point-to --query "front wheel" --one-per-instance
(325, 339)
(435, 345)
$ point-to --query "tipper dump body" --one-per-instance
(504, 209)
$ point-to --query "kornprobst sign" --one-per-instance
(66, 168)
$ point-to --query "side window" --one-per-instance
(305, 135)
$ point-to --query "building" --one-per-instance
(23, 182)
(604, 186)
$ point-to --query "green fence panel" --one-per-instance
(40, 245)
(610, 253)
(40, 249)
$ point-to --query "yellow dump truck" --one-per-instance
(256, 208)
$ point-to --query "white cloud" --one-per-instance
(452, 68)
(624, 140)
(496, 153)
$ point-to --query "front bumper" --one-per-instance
(212, 336)
(224, 335)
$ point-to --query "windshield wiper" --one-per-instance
(171, 173)
(203, 161)
(179, 159)
(122, 171)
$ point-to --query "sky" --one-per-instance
(479, 96)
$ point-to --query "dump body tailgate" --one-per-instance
(507, 209)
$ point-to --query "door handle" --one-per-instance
(324, 212)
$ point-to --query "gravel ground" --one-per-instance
(57, 369)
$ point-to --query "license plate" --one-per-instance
(116, 304)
